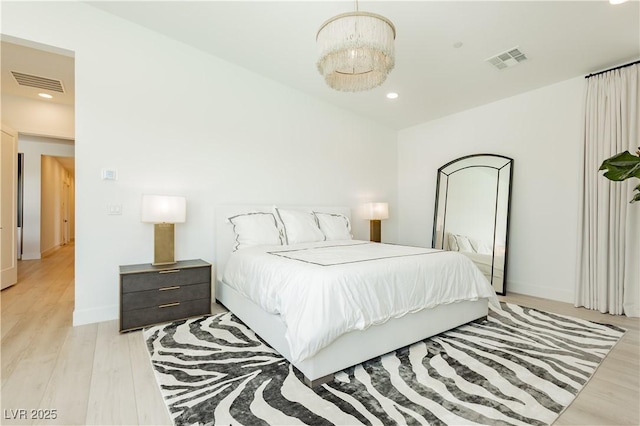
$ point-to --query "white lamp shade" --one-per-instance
(163, 209)
(376, 211)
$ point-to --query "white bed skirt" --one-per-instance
(356, 346)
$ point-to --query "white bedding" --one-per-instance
(324, 289)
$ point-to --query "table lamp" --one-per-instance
(375, 212)
(163, 211)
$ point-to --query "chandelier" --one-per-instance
(356, 50)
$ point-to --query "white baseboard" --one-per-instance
(49, 251)
(561, 295)
(90, 316)
(31, 256)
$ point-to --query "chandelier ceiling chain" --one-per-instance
(356, 50)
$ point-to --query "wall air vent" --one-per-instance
(508, 58)
(38, 82)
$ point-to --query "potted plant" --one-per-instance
(622, 167)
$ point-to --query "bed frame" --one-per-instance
(351, 348)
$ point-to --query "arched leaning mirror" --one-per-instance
(472, 212)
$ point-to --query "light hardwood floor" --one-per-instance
(91, 374)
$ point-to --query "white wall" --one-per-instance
(34, 147)
(173, 120)
(541, 130)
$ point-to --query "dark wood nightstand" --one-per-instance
(155, 294)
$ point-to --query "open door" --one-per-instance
(8, 208)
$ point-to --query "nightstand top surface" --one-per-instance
(148, 267)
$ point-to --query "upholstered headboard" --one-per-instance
(225, 238)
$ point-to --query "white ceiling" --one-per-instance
(40, 63)
(562, 39)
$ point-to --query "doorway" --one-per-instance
(40, 82)
(56, 197)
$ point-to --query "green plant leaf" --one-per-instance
(637, 196)
(621, 166)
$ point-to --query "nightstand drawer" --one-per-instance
(167, 278)
(153, 294)
(145, 299)
(165, 313)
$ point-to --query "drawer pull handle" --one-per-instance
(168, 305)
(170, 271)
(175, 287)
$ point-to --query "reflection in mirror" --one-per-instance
(472, 212)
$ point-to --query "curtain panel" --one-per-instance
(608, 263)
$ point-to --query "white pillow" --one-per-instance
(334, 226)
(464, 244)
(482, 247)
(453, 245)
(299, 226)
(255, 229)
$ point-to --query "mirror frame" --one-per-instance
(442, 175)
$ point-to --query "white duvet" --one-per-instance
(322, 290)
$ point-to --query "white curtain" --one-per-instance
(608, 269)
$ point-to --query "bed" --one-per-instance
(276, 315)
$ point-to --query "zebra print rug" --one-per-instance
(522, 367)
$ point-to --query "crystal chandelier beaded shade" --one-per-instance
(356, 51)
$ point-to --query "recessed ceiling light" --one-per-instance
(45, 95)
(392, 95)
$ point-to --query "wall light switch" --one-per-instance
(109, 174)
(114, 209)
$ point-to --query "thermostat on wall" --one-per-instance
(109, 174)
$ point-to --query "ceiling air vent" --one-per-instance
(507, 58)
(38, 82)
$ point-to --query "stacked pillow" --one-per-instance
(468, 245)
(288, 226)
(255, 229)
(298, 226)
(334, 226)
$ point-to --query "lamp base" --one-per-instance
(163, 244)
(374, 231)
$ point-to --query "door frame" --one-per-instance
(8, 218)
